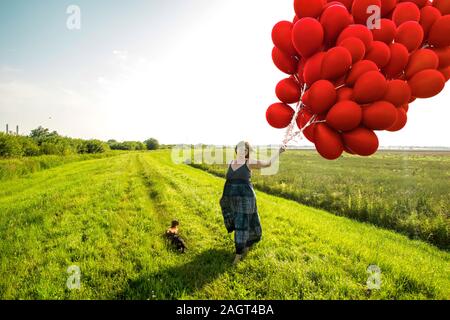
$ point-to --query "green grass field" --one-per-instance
(107, 216)
(18, 167)
(404, 191)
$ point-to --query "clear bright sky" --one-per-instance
(183, 71)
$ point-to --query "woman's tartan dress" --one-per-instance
(239, 209)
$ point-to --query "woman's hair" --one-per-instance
(175, 223)
(242, 145)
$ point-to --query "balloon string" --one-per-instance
(290, 134)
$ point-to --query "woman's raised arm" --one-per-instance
(260, 164)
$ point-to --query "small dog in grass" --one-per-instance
(174, 238)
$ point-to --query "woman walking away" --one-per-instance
(238, 202)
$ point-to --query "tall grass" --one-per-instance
(403, 191)
(18, 167)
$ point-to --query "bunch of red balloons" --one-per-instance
(355, 66)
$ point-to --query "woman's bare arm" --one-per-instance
(260, 164)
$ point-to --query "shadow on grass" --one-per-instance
(182, 280)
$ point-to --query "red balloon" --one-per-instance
(307, 36)
(279, 115)
(379, 116)
(405, 107)
(421, 60)
(398, 93)
(406, 11)
(427, 83)
(322, 96)
(309, 8)
(282, 37)
(400, 122)
(334, 19)
(333, 3)
(344, 93)
(356, 48)
(443, 6)
(440, 32)
(387, 31)
(379, 53)
(305, 99)
(328, 142)
(387, 6)
(370, 87)
(288, 91)
(361, 141)
(359, 69)
(444, 56)
(344, 116)
(428, 16)
(313, 68)
(445, 72)
(359, 31)
(419, 3)
(346, 3)
(410, 34)
(360, 8)
(336, 63)
(398, 62)
(283, 61)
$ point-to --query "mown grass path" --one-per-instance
(107, 217)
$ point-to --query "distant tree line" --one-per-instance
(126, 145)
(42, 141)
(150, 144)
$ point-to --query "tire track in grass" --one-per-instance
(180, 276)
(180, 195)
